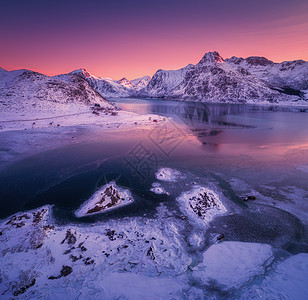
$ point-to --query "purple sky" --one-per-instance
(135, 38)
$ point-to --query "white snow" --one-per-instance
(232, 264)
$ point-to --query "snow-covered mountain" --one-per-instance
(164, 82)
(293, 74)
(141, 82)
(28, 90)
(234, 79)
(126, 83)
(105, 86)
(135, 84)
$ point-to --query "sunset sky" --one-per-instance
(117, 38)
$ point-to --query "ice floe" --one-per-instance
(201, 204)
(108, 197)
(231, 264)
(167, 174)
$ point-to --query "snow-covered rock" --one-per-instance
(230, 265)
(201, 205)
(108, 197)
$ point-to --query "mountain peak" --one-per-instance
(82, 72)
(124, 79)
(258, 61)
(211, 57)
(126, 83)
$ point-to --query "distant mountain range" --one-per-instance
(236, 79)
(215, 79)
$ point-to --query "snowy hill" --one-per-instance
(25, 90)
(105, 86)
(235, 79)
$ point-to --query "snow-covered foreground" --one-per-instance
(135, 258)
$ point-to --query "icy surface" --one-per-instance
(134, 286)
(201, 204)
(108, 197)
(232, 264)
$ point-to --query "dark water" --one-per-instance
(217, 142)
